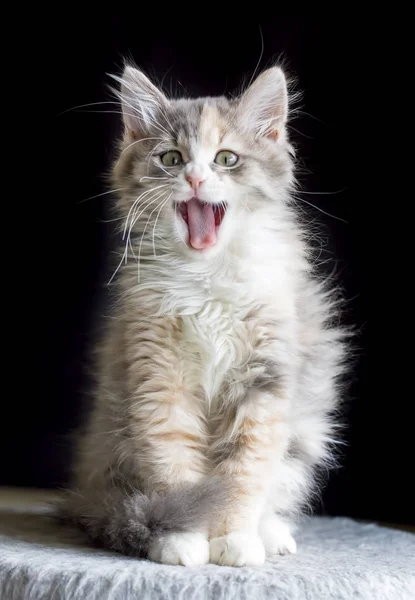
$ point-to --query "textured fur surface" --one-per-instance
(217, 375)
(337, 558)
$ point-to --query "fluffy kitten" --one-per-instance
(217, 375)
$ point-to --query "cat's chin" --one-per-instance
(204, 254)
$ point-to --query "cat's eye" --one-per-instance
(172, 158)
(226, 158)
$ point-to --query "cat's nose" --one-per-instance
(195, 181)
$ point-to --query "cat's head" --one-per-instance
(195, 173)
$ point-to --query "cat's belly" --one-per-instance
(215, 340)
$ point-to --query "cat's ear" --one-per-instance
(142, 103)
(263, 107)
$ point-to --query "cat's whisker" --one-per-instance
(99, 195)
(167, 173)
(124, 256)
(142, 237)
(308, 137)
(138, 208)
(299, 111)
(150, 154)
(117, 269)
(155, 223)
(145, 178)
(136, 202)
(107, 112)
(321, 193)
(139, 141)
(259, 59)
(321, 210)
(86, 106)
(148, 203)
(111, 220)
(163, 112)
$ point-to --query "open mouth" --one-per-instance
(203, 220)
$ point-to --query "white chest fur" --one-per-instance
(217, 337)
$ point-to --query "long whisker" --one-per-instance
(124, 256)
(322, 211)
(137, 208)
(148, 203)
(85, 106)
(259, 59)
(98, 195)
(138, 141)
(164, 171)
(108, 112)
(150, 154)
(155, 223)
(134, 205)
(323, 193)
(133, 221)
(142, 237)
(110, 220)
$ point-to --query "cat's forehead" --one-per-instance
(203, 121)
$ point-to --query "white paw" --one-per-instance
(188, 549)
(276, 537)
(237, 549)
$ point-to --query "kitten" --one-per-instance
(217, 375)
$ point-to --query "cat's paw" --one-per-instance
(276, 537)
(237, 550)
(187, 549)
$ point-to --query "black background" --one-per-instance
(373, 481)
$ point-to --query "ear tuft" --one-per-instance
(142, 102)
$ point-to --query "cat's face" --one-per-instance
(199, 172)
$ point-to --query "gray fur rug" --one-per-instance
(337, 559)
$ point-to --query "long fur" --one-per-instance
(226, 363)
(127, 521)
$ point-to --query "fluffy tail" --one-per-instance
(129, 521)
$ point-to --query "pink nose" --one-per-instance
(194, 181)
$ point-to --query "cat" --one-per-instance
(218, 375)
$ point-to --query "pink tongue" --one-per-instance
(201, 222)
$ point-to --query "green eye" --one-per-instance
(226, 158)
(172, 158)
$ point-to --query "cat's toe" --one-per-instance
(280, 544)
(237, 550)
(277, 538)
(187, 549)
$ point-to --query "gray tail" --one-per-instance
(129, 521)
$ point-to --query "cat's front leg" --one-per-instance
(168, 432)
(249, 443)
